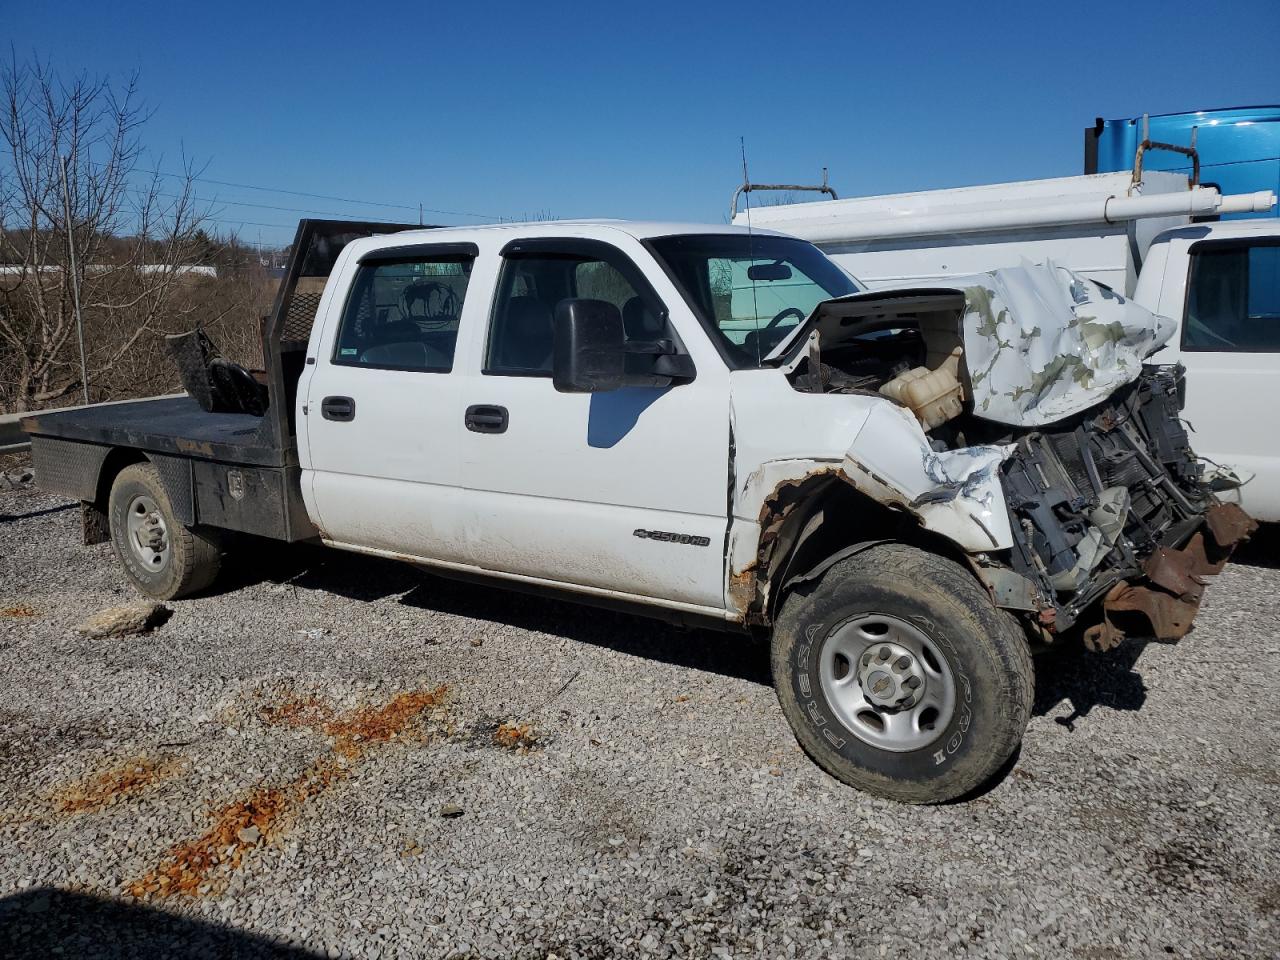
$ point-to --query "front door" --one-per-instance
(1230, 342)
(623, 492)
(382, 400)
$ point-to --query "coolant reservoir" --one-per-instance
(934, 396)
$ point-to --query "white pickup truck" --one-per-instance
(1221, 283)
(579, 407)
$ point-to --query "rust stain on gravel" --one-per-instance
(517, 737)
(18, 610)
(199, 866)
(189, 869)
(297, 712)
(355, 731)
(105, 788)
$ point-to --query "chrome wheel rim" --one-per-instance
(147, 534)
(887, 682)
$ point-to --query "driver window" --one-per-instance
(404, 314)
(521, 336)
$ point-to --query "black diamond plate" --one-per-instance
(66, 467)
(175, 477)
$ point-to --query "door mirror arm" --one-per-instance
(657, 348)
(677, 366)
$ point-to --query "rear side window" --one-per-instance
(404, 314)
(521, 335)
(1233, 299)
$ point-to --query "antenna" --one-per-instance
(751, 250)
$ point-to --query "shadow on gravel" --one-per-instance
(10, 517)
(727, 654)
(47, 922)
(256, 560)
(371, 578)
(1262, 549)
(1088, 680)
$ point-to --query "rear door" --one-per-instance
(382, 415)
(1230, 345)
(623, 492)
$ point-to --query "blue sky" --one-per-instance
(635, 110)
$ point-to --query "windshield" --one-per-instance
(750, 291)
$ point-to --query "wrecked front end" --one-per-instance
(1047, 450)
(1111, 522)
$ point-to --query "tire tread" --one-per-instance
(954, 586)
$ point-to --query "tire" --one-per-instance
(184, 560)
(901, 600)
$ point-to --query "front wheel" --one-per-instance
(900, 677)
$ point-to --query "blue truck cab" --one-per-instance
(1239, 147)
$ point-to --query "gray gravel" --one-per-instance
(643, 798)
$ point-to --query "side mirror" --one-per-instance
(589, 350)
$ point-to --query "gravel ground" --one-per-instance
(339, 756)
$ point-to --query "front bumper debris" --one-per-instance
(1168, 597)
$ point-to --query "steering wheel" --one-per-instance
(800, 315)
(439, 303)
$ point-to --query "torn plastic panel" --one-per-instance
(955, 494)
(213, 381)
(1052, 519)
(1067, 465)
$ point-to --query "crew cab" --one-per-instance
(710, 424)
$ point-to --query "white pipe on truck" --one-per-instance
(1197, 202)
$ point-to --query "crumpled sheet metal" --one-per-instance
(1177, 578)
(1042, 343)
(956, 493)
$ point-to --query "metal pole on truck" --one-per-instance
(75, 281)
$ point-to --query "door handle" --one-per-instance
(486, 418)
(341, 409)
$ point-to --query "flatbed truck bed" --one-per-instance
(170, 425)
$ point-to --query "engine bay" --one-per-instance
(1100, 501)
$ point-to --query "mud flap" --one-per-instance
(94, 527)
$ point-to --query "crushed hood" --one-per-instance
(1040, 342)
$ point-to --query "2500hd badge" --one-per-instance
(673, 537)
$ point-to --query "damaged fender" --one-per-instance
(956, 493)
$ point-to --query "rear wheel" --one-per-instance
(900, 677)
(161, 557)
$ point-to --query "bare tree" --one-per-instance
(135, 231)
